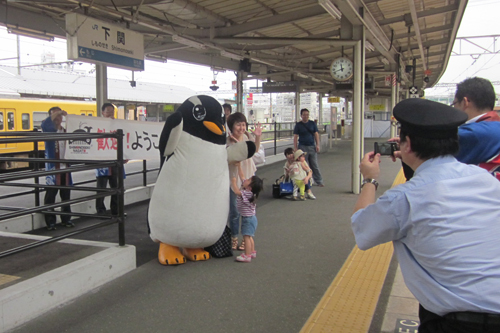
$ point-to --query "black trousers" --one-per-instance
(432, 323)
(50, 198)
(102, 182)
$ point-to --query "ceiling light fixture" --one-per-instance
(32, 34)
(153, 57)
(330, 8)
(188, 42)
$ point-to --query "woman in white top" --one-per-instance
(237, 125)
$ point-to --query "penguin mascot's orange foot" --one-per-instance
(172, 255)
(190, 202)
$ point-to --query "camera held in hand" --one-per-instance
(386, 148)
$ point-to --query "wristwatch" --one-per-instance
(370, 181)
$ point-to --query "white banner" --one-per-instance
(140, 141)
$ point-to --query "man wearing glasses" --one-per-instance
(479, 137)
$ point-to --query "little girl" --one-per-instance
(246, 198)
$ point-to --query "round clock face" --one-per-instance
(341, 69)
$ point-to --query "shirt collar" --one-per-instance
(475, 119)
(435, 162)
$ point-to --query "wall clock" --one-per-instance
(342, 69)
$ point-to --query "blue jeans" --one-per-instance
(234, 215)
(312, 160)
(248, 225)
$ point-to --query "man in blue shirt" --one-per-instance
(306, 137)
(443, 222)
(55, 150)
(479, 137)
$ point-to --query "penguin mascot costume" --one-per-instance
(189, 206)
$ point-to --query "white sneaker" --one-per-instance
(244, 258)
(311, 196)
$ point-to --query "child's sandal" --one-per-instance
(234, 242)
(242, 246)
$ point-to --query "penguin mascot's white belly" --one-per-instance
(190, 202)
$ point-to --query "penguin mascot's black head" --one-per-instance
(201, 116)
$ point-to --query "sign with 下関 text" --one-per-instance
(140, 138)
(95, 41)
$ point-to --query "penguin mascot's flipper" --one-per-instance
(240, 151)
(170, 136)
(190, 202)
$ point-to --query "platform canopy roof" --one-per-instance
(282, 40)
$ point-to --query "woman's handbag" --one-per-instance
(282, 188)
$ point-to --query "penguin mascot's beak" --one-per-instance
(214, 128)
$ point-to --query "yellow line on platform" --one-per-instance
(7, 278)
(349, 303)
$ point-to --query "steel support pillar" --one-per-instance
(357, 118)
(239, 91)
(101, 84)
(393, 104)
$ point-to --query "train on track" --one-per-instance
(17, 115)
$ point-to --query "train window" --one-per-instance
(82, 114)
(90, 115)
(10, 121)
(25, 120)
(38, 117)
(1, 121)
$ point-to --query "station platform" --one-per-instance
(308, 276)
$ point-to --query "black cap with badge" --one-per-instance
(428, 119)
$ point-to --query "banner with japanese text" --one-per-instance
(140, 139)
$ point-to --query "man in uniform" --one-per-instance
(443, 222)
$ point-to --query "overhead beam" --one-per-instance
(284, 41)
(440, 28)
(416, 28)
(265, 22)
(424, 13)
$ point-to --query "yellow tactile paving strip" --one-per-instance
(7, 278)
(349, 303)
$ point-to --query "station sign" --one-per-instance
(276, 87)
(94, 41)
(333, 99)
(377, 107)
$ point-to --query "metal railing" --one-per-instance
(12, 180)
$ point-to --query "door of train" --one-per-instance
(7, 124)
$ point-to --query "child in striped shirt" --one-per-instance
(246, 198)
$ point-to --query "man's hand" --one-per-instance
(369, 166)
(397, 153)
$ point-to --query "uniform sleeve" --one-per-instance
(380, 222)
(478, 142)
(467, 141)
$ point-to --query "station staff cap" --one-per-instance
(429, 119)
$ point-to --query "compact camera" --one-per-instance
(386, 148)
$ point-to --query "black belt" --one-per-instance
(475, 317)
